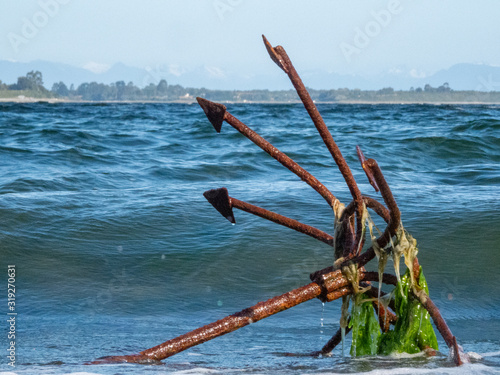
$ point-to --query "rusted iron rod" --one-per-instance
(360, 260)
(228, 324)
(334, 341)
(335, 285)
(385, 316)
(456, 353)
(368, 172)
(385, 190)
(439, 322)
(373, 204)
(346, 234)
(233, 322)
(436, 316)
(335, 280)
(217, 114)
(222, 202)
(392, 226)
(280, 57)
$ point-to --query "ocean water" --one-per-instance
(116, 250)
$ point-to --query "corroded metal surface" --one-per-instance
(222, 202)
(282, 158)
(219, 198)
(368, 172)
(280, 57)
(329, 283)
(233, 322)
(385, 190)
(333, 286)
(215, 112)
(334, 341)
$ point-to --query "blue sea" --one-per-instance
(116, 250)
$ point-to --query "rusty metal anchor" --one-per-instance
(329, 283)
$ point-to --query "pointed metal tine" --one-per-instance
(385, 190)
(280, 57)
(281, 157)
(214, 111)
(368, 172)
(219, 198)
(361, 156)
(222, 202)
(274, 55)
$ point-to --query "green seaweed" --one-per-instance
(365, 327)
(413, 331)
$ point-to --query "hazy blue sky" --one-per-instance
(350, 36)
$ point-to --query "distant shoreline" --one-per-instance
(58, 100)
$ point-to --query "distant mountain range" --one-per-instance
(459, 77)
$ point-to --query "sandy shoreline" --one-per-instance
(57, 100)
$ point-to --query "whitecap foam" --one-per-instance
(459, 370)
(197, 370)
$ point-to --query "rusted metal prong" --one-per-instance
(336, 288)
(395, 215)
(219, 198)
(334, 285)
(378, 207)
(284, 159)
(222, 202)
(368, 172)
(456, 353)
(238, 320)
(345, 235)
(280, 57)
(274, 56)
(439, 322)
(215, 112)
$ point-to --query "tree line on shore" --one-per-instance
(31, 85)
